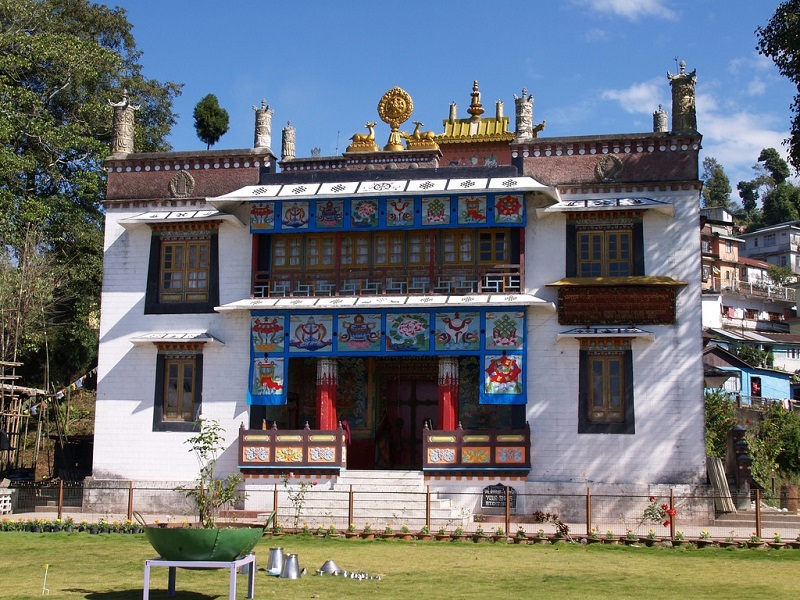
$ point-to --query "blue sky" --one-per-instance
(593, 66)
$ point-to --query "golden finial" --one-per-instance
(394, 108)
(475, 107)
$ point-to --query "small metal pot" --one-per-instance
(291, 568)
(275, 562)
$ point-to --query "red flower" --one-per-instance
(652, 498)
(665, 506)
(667, 523)
(672, 512)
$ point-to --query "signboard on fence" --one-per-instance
(494, 497)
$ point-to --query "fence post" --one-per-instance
(758, 512)
(350, 518)
(60, 497)
(275, 504)
(672, 516)
(508, 510)
(130, 500)
(428, 506)
(588, 511)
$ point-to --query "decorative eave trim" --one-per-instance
(176, 338)
(599, 145)
(180, 216)
(628, 188)
(633, 280)
(607, 204)
(381, 302)
(606, 332)
(474, 139)
(198, 160)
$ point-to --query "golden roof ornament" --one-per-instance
(475, 107)
(394, 108)
(364, 142)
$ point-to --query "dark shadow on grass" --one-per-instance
(137, 593)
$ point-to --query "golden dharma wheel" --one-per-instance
(395, 107)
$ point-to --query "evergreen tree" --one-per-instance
(774, 165)
(716, 185)
(780, 40)
(61, 61)
(210, 120)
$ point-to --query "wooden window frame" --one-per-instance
(606, 353)
(604, 224)
(182, 354)
(184, 236)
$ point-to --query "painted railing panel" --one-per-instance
(278, 450)
(477, 450)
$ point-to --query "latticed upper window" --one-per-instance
(185, 270)
(605, 253)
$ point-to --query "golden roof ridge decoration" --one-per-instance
(394, 108)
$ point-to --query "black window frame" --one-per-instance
(593, 348)
(152, 302)
(165, 353)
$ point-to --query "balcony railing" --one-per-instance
(283, 450)
(476, 450)
(497, 279)
(759, 288)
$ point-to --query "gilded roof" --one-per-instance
(493, 129)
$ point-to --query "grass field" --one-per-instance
(111, 567)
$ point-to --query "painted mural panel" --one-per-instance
(262, 216)
(502, 379)
(509, 209)
(359, 332)
(505, 330)
(267, 381)
(267, 333)
(458, 331)
(436, 211)
(330, 214)
(406, 332)
(295, 215)
(310, 333)
(364, 213)
(399, 212)
(471, 210)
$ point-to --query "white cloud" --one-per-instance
(630, 9)
(639, 98)
(597, 35)
(756, 87)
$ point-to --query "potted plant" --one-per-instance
(332, 531)
(69, 524)
(755, 541)
(679, 539)
(593, 537)
(319, 531)
(388, 532)
(500, 534)
(405, 533)
(520, 537)
(351, 532)
(305, 530)
(796, 542)
(277, 529)
(541, 537)
(368, 533)
(442, 534)
(704, 540)
(611, 538)
(650, 539)
(631, 537)
(210, 494)
(479, 535)
(424, 533)
(776, 542)
(458, 534)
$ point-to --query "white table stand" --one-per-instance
(232, 566)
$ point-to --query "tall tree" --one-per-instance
(210, 120)
(774, 165)
(716, 186)
(780, 40)
(61, 61)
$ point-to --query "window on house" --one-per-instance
(606, 387)
(706, 272)
(601, 245)
(178, 394)
(769, 239)
(727, 246)
(183, 274)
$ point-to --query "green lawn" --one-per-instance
(111, 566)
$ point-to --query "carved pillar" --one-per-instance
(263, 135)
(684, 116)
(448, 393)
(524, 116)
(288, 142)
(122, 126)
(660, 121)
(327, 379)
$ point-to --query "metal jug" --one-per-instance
(291, 568)
(275, 562)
